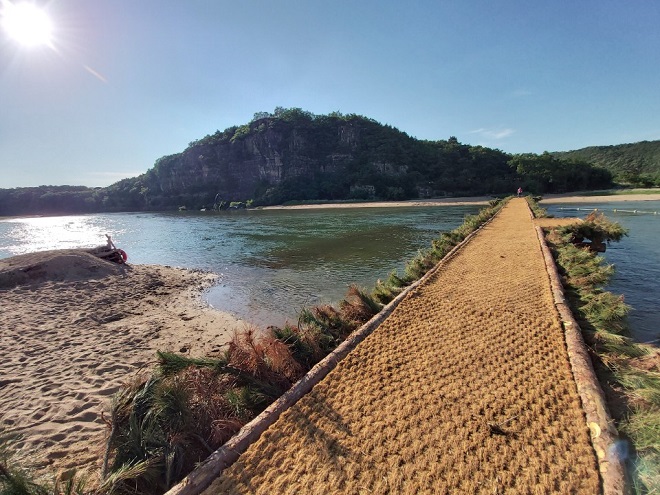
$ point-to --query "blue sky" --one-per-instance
(128, 81)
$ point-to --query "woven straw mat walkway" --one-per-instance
(465, 388)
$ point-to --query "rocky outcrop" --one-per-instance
(296, 155)
(234, 168)
(252, 161)
(288, 155)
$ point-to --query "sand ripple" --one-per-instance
(74, 330)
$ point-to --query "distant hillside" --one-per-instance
(637, 163)
(294, 155)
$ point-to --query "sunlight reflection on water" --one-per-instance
(45, 233)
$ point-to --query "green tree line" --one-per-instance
(636, 164)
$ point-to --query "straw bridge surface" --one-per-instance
(465, 388)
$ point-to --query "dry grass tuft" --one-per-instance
(265, 358)
(358, 307)
(163, 424)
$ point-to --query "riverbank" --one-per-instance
(463, 201)
(587, 197)
(613, 196)
(75, 329)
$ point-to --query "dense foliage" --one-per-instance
(51, 200)
(545, 173)
(637, 164)
(294, 155)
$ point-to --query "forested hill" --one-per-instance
(295, 155)
(292, 154)
(637, 163)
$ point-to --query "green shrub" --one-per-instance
(536, 209)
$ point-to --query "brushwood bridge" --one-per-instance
(475, 380)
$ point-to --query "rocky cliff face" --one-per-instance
(253, 160)
(294, 155)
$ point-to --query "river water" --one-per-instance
(271, 262)
(636, 259)
(274, 262)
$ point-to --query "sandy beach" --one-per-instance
(474, 200)
(609, 198)
(74, 328)
(471, 200)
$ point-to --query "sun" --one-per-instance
(26, 23)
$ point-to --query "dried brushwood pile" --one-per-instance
(465, 388)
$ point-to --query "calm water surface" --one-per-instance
(271, 262)
(274, 262)
(636, 259)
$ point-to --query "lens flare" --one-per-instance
(26, 23)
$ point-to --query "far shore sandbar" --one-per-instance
(604, 198)
(474, 200)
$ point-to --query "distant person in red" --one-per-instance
(519, 191)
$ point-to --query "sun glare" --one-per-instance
(26, 23)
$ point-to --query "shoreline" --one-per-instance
(473, 200)
(571, 197)
(76, 332)
(462, 201)
(606, 198)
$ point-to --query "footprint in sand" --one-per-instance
(108, 391)
(8, 381)
(101, 370)
(56, 454)
(86, 417)
(79, 408)
(38, 415)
